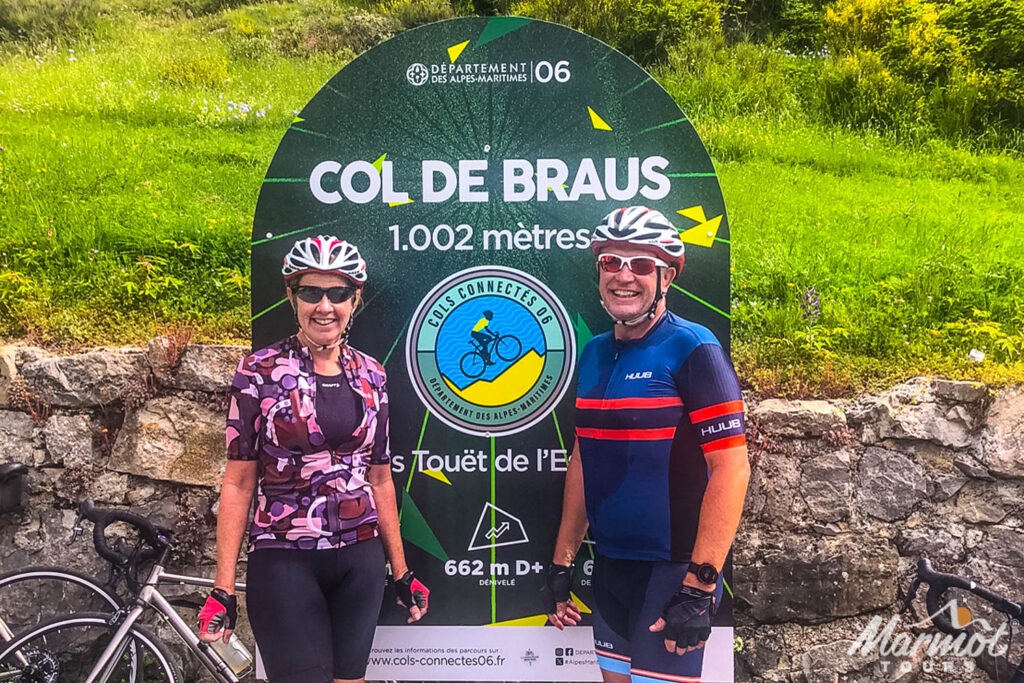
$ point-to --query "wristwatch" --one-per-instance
(705, 573)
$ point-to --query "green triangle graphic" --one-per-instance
(500, 26)
(416, 530)
(583, 334)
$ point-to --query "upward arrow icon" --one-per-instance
(497, 527)
(495, 533)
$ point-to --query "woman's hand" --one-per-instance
(412, 595)
(217, 617)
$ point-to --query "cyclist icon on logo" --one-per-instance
(506, 347)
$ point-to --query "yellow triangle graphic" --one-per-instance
(704, 234)
(455, 50)
(538, 620)
(583, 607)
(597, 121)
(380, 161)
(407, 201)
(437, 474)
(298, 119)
(694, 213)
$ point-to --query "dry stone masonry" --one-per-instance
(845, 495)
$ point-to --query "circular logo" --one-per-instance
(490, 350)
(417, 74)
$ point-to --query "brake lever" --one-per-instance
(77, 530)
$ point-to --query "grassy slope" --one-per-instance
(125, 201)
(914, 255)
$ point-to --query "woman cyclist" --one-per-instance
(307, 429)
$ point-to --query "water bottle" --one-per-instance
(234, 654)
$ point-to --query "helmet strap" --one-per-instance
(646, 315)
(341, 341)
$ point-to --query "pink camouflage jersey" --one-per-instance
(307, 496)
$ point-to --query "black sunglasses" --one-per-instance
(313, 295)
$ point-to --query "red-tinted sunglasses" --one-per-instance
(639, 265)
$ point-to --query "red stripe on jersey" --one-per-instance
(717, 410)
(611, 655)
(615, 403)
(723, 443)
(665, 677)
(626, 434)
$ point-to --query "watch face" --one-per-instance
(707, 573)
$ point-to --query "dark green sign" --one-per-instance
(469, 160)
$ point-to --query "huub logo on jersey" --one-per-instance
(640, 375)
(721, 426)
(490, 350)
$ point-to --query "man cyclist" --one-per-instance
(659, 470)
(484, 337)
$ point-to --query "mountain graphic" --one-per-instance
(509, 386)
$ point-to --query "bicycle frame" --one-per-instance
(151, 597)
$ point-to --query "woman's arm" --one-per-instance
(235, 498)
(387, 522)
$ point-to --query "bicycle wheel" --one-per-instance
(32, 595)
(64, 650)
(472, 364)
(508, 347)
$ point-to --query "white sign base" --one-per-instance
(505, 653)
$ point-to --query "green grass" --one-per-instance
(913, 254)
(130, 168)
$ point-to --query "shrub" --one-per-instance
(992, 30)
(201, 71)
(41, 21)
(858, 90)
(644, 29)
(412, 13)
(709, 78)
(795, 24)
(852, 25)
(332, 32)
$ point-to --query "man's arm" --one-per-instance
(570, 534)
(728, 474)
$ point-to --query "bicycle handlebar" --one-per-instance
(158, 538)
(939, 583)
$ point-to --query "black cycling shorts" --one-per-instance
(629, 596)
(314, 612)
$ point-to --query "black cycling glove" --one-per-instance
(556, 587)
(411, 591)
(687, 616)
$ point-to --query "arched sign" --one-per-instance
(469, 160)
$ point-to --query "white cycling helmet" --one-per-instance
(324, 254)
(639, 226)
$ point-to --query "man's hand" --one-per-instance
(412, 595)
(562, 611)
(218, 615)
(686, 619)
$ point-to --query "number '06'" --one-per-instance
(544, 72)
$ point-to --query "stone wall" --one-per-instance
(845, 496)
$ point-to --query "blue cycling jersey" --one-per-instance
(647, 411)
